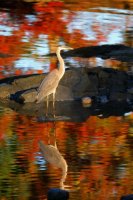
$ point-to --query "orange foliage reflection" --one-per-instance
(97, 152)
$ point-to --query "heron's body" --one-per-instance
(50, 83)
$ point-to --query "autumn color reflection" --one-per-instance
(98, 153)
(52, 155)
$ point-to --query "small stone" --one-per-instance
(127, 197)
(58, 194)
(86, 101)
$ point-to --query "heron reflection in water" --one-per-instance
(51, 81)
(52, 155)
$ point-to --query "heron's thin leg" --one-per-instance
(54, 104)
(47, 105)
(53, 99)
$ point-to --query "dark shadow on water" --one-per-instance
(127, 197)
(69, 110)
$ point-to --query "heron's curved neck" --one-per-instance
(61, 63)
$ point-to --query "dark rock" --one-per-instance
(63, 93)
(11, 80)
(113, 85)
(28, 95)
(5, 91)
(57, 194)
(93, 85)
(13, 87)
(72, 78)
(117, 96)
(122, 55)
(29, 82)
(127, 197)
(114, 51)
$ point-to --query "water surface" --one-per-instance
(97, 151)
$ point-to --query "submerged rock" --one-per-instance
(109, 91)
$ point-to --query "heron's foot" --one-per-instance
(51, 117)
(54, 115)
(47, 116)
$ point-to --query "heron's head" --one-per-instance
(63, 48)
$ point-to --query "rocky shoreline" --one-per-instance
(111, 92)
(101, 84)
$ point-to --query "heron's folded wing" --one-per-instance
(48, 85)
(50, 81)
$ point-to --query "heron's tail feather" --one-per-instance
(37, 99)
(40, 97)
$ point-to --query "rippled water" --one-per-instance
(95, 156)
(98, 154)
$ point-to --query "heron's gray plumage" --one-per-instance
(50, 83)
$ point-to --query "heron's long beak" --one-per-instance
(70, 48)
(67, 48)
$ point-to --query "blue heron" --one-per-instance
(51, 81)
